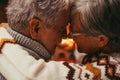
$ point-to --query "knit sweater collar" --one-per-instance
(29, 43)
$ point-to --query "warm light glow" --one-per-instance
(68, 42)
(65, 49)
(68, 28)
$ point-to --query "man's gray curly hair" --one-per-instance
(19, 12)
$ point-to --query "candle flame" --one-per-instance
(68, 43)
(68, 28)
(65, 49)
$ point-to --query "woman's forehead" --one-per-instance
(75, 25)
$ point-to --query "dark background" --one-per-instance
(3, 0)
(3, 4)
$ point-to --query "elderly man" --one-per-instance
(36, 25)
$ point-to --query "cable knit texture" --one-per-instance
(38, 50)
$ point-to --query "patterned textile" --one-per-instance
(111, 66)
(34, 48)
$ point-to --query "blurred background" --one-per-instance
(3, 4)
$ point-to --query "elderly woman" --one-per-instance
(96, 30)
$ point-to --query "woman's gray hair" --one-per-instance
(100, 17)
(19, 12)
(86, 16)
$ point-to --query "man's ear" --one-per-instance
(103, 40)
(35, 25)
